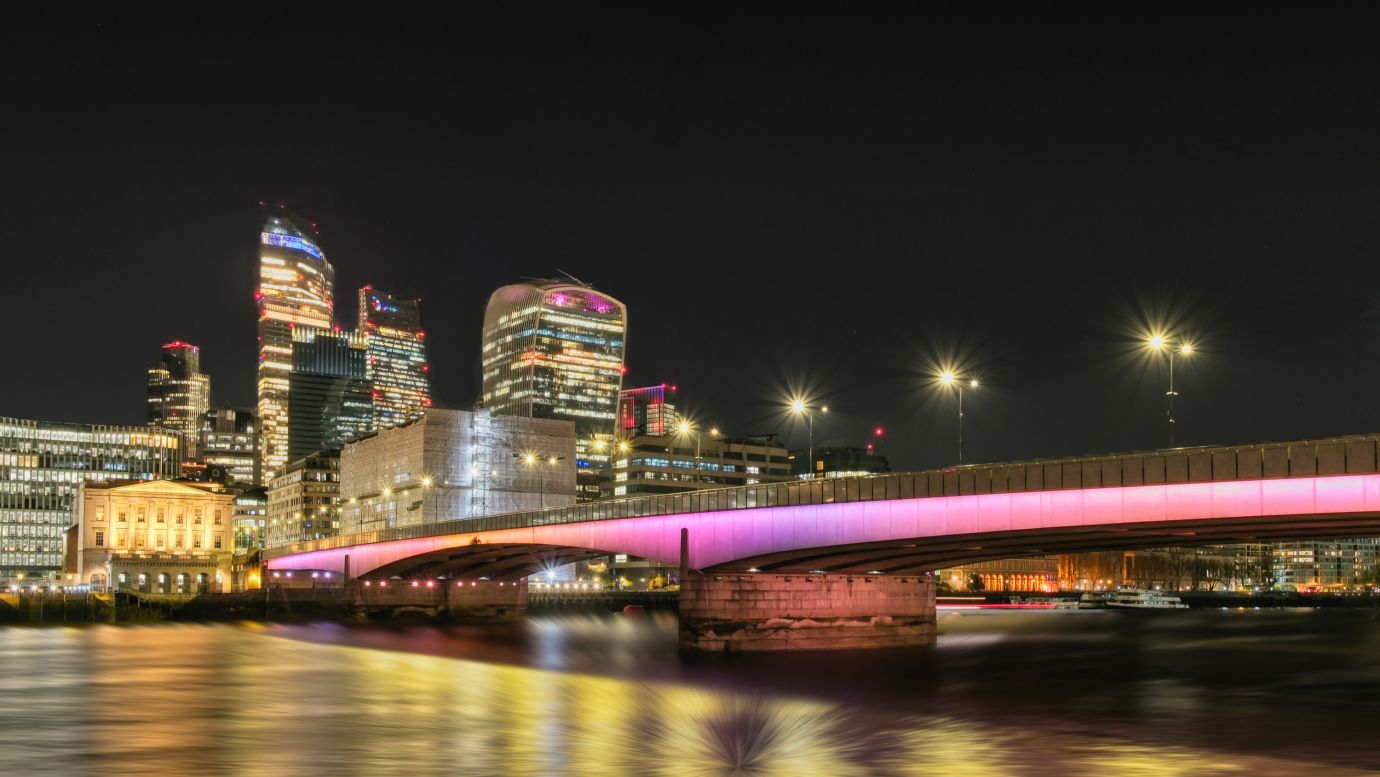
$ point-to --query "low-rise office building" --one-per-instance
(672, 463)
(303, 501)
(455, 464)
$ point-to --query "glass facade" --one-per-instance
(41, 466)
(296, 285)
(396, 361)
(645, 411)
(229, 442)
(328, 396)
(179, 394)
(555, 350)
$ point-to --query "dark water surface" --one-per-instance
(1203, 692)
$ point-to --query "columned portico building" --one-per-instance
(161, 536)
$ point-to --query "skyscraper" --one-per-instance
(645, 411)
(179, 393)
(295, 293)
(328, 396)
(554, 349)
(396, 356)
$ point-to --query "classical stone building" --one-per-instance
(161, 536)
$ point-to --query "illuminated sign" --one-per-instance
(293, 242)
(383, 307)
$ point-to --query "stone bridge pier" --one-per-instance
(756, 612)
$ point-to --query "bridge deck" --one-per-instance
(1304, 458)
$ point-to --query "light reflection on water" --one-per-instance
(1010, 693)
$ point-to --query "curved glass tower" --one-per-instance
(296, 284)
(555, 349)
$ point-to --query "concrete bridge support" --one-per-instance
(774, 612)
(486, 601)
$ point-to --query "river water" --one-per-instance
(1202, 692)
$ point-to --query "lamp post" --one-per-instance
(798, 407)
(531, 459)
(1160, 343)
(950, 379)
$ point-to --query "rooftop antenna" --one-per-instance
(571, 277)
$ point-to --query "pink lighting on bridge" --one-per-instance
(726, 536)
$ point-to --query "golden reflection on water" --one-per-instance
(236, 700)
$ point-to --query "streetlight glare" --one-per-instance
(1186, 349)
(973, 383)
(683, 427)
(824, 409)
(797, 406)
(1156, 342)
(947, 377)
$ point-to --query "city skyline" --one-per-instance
(907, 243)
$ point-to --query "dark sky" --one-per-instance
(830, 204)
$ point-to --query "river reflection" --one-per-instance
(1198, 693)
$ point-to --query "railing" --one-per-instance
(1305, 458)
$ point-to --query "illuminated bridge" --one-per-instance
(829, 548)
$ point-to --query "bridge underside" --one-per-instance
(920, 555)
(512, 560)
(501, 561)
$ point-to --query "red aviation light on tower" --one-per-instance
(878, 431)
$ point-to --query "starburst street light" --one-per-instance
(1158, 343)
(798, 407)
(950, 379)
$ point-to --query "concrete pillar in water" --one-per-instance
(760, 612)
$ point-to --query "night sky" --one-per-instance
(825, 205)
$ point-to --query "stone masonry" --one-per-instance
(764, 612)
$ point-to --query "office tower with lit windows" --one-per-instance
(645, 411)
(179, 393)
(554, 349)
(303, 501)
(41, 466)
(396, 356)
(296, 285)
(229, 443)
(328, 398)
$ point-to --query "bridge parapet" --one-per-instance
(1305, 458)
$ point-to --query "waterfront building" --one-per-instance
(838, 461)
(303, 502)
(329, 401)
(1038, 574)
(251, 519)
(228, 442)
(455, 464)
(179, 393)
(42, 464)
(395, 364)
(296, 287)
(645, 411)
(1329, 565)
(555, 349)
(670, 463)
(158, 536)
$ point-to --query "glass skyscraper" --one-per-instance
(179, 394)
(554, 349)
(42, 464)
(328, 396)
(296, 285)
(396, 356)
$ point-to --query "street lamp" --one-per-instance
(798, 407)
(949, 379)
(530, 460)
(1160, 343)
(682, 429)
